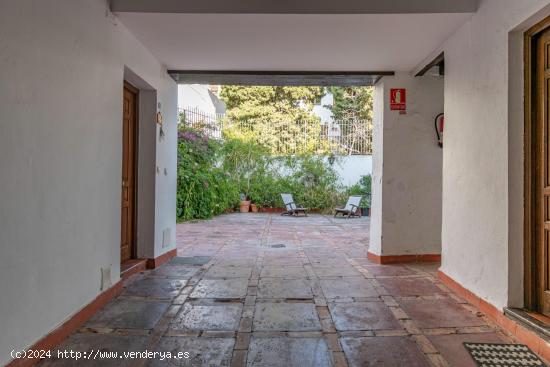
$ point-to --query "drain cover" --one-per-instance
(279, 245)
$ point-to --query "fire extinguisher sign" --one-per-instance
(398, 99)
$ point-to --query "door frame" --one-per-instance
(135, 158)
(530, 159)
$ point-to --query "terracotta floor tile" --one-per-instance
(286, 352)
(284, 288)
(389, 351)
(389, 270)
(196, 316)
(438, 313)
(347, 287)
(154, 287)
(221, 288)
(363, 316)
(202, 351)
(129, 314)
(409, 286)
(286, 317)
(283, 272)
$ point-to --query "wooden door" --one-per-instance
(129, 135)
(538, 152)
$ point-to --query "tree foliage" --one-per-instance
(279, 118)
(352, 108)
(251, 104)
(352, 103)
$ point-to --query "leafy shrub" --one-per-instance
(366, 182)
(212, 174)
(363, 187)
(204, 189)
(314, 182)
(265, 188)
(244, 161)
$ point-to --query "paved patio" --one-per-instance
(266, 290)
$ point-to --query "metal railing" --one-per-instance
(349, 137)
(209, 124)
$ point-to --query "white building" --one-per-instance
(200, 97)
(322, 108)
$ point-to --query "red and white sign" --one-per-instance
(398, 99)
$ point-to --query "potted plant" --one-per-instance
(254, 208)
(245, 204)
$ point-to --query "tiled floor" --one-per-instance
(280, 291)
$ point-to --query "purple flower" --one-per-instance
(188, 135)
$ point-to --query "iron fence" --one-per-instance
(349, 137)
(209, 124)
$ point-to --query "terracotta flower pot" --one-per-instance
(245, 206)
(254, 208)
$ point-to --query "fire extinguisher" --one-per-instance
(439, 125)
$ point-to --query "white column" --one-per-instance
(407, 169)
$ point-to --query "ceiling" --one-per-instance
(306, 42)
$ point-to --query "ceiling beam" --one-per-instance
(438, 61)
(279, 78)
(295, 6)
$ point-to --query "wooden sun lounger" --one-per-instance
(350, 210)
(291, 207)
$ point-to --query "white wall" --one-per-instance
(406, 215)
(483, 152)
(195, 96)
(62, 69)
(350, 168)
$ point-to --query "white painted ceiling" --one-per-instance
(292, 42)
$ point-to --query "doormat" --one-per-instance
(279, 245)
(503, 355)
(193, 260)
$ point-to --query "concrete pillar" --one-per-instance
(407, 172)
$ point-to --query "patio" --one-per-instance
(266, 290)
